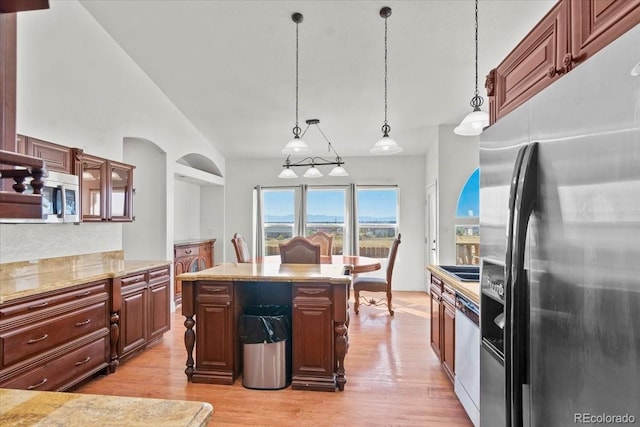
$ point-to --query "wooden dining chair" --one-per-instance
(376, 284)
(299, 250)
(242, 250)
(324, 239)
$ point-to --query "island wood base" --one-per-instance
(213, 305)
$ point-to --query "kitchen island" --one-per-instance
(213, 300)
(30, 408)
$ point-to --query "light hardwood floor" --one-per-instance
(393, 378)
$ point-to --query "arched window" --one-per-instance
(468, 222)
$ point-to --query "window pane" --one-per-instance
(325, 212)
(278, 218)
(467, 217)
(377, 220)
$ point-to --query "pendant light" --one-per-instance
(386, 145)
(477, 120)
(296, 145)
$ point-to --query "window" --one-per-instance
(279, 218)
(326, 212)
(468, 222)
(303, 210)
(377, 220)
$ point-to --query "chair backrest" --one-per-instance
(392, 258)
(240, 245)
(325, 240)
(299, 250)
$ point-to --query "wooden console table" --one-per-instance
(213, 300)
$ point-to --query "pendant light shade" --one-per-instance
(296, 146)
(313, 172)
(338, 171)
(287, 173)
(474, 122)
(386, 145)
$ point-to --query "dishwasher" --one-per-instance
(467, 357)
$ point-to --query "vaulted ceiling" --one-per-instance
(229, 66)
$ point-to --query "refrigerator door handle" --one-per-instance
(508, 288)
(526, 196)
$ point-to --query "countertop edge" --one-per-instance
(456, 284)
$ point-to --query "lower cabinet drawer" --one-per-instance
(66, 370)
(21, 343)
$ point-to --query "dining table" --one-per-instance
(358, 264)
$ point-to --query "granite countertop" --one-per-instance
(470, 290)
(191, 241)
(46, 408)
(22, 279)
(271, 272)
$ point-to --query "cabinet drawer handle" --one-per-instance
(187, 251)
(213, 289)
(44, 304)
(84, 294)
(311, 291)
(31, 387)
(35, 340)
(86, 322)
(82, 362)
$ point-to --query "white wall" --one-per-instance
(405, 171)
(149, 201)
(212, 218)
(186, 210)
(77, 87)
(458, 157)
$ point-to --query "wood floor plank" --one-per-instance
(393, 378)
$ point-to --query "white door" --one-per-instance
(431, 219)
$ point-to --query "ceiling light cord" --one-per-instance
(386, 123)
(477, 100)
(296, 129)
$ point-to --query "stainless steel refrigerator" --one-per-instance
(560, 243)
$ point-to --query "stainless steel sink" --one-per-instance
(464, 273)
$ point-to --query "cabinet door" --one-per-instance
(93, 185)
(312, 327)
(179, 267)
(596, 23)
(58, 157)
(216, 333)
(120, 192)
(133, 320)
(214, 349)
(533, 65)
(159, 310)
(448, 340)
(436, 302)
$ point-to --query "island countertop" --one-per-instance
(271, 272)
(43, 408)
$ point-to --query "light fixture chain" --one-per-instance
(476, 27)
(297, 24)
(385, 71)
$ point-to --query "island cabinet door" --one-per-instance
(313, 352)
(215, 334)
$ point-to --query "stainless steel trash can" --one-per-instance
(265, 334)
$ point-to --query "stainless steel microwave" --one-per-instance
(60, 199)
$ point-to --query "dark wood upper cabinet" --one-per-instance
(533, 65)
(12, 6)
(107, 189)
(57, 157)
(569, 34)
(596, 23)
